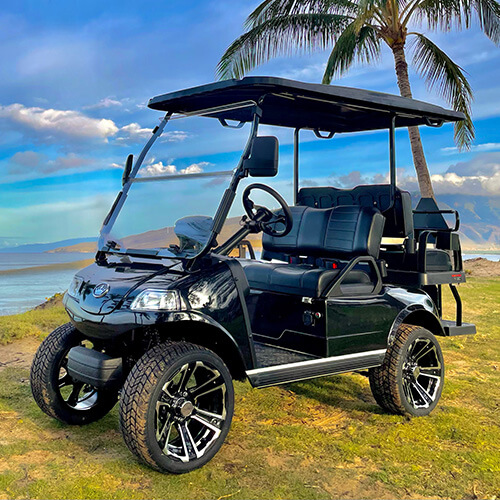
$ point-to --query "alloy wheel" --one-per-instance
(77, 395)
(190, 411)
(422, 373)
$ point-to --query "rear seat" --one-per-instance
(399, 221)
(335, 233)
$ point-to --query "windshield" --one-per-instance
(170, 204)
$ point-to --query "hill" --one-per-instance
(54, 246)
(161, 238)
(479, 227)
(479, 219)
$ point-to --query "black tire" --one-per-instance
(411, 379)
(55, 392)
(159, 402)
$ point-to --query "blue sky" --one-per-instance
(75, 78)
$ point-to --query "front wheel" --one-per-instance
(410, 380)
(176, 407)
(55, 392)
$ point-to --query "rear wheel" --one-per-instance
(176, 407)
(410, 380)
(55, 392)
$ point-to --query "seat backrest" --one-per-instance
(340, 232)
(399, 216)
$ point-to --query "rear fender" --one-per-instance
(416, 315)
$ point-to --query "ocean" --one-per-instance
(21, 291)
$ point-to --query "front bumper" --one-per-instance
(122, 321)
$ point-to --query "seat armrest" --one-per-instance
(334, 290)
(422, 249)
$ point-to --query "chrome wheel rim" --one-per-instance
(190, 412)
(76, 395)
(422, 373)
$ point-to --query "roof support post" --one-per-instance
(230, 193)
(392, 155)
(296, 165)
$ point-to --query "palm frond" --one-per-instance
(369, 10)
(444, 14)
(362, 45)
(488, 13)
(442, 74)
(270, 9)
(287, 35)
(459, 14)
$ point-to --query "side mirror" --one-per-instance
(127, 169)
(263, 161)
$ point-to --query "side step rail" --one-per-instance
(303, 370)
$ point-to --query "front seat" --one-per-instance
(339, 233)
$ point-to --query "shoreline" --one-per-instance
(76, 264)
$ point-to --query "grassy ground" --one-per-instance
(38, 322)
(318, 439)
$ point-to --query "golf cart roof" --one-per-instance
(294, 104)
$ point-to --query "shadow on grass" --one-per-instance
(345, 392)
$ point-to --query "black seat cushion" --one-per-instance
(304, 280)
(341, 232)
(437, 260)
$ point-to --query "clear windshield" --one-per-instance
(172, 201)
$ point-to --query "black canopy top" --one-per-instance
(289, 103)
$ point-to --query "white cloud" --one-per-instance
(107, 102)
(159, 168)
(485, 164)
(473, 182)
(27, 159)
(174, 136)
(33, 163)
(452, 183)
(487, 146)
(310, 72)
(134, 132)
(194, 168)
(65, 122)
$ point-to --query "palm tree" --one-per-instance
(356, 30)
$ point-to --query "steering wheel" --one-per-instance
(267, 219)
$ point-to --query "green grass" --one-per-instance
(317, 439)
(38, 322)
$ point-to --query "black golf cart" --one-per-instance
(346, 279)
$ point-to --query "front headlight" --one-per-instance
(74, 287)
(157, 300)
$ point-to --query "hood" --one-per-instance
(123, 281)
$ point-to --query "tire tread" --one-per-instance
(40, 366)
(384, 378)
(137, 391)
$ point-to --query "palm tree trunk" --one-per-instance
(423, 176)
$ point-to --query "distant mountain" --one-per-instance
(47, 247)
(84, 247)
(479, 228)
(162, 238)
(479, 219)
